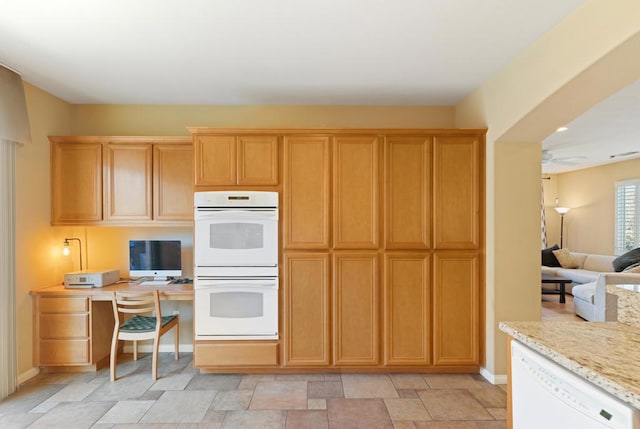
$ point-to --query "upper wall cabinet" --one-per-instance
(76, 182)
(147, 180)
(128, 181)
(236, 160)
(172, 182)
(355, 192)
(457, 185)
(407, 183)
(306, 192)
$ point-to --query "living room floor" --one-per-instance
(553, 310)
(184, 398)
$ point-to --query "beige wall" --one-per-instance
(38, 258)
(173, 120)
(584, 59)
(590, 226)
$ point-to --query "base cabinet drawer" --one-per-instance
(63, 305)
(64, 352)
(65, 326)
(233, 354)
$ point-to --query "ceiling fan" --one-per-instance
(549, 158)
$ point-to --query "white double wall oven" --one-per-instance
(236, 265)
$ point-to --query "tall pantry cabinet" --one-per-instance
(383, 248)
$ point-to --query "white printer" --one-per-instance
(91, 278)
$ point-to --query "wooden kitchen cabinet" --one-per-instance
(236, 160)
(457, 166)
(382, 243)
(407, 309)
(344, 319)
(355, 192)
(407, 193)
(456, 308)
(128, 181)
(70, 331)
(76, 181)
(173, 182)
(117, 180)
(306, 302)
(355, 308)
(306, 192)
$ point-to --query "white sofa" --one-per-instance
(589, 280)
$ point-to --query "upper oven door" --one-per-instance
(239, 237)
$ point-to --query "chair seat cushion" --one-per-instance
(144, 323)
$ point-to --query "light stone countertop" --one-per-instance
(605, 353)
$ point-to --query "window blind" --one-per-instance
(627, 216)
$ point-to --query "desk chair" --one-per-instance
(140, 327)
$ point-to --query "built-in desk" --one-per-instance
(73, 327)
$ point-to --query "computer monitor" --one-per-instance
(158, 258)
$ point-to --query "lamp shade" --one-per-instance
(14, 121)
(562, 210)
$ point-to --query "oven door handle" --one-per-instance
(222, 284)
(237, 214)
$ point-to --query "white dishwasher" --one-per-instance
(546, 395)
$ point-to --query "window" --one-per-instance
(627, 215)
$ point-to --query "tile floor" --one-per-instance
(184, 398)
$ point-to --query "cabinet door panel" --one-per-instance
(76, 183)
(355, 296)
(306, 192)
(407, 192)
(355, 192)
(215, 160)
(128, 181)
(64, 352)
(173, 181)
(456, 309)
(307, 309)
(457, 192)
(258, 160)
(407, 309)
(64, 326)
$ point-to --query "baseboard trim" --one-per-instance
(493, 378)
(28, 375)
(164, 348)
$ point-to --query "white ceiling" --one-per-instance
(296, 52)
(601, 135)
(349, 52)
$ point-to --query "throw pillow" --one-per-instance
(634, 268)
(565, 258)
(629, 258)
(548, 258)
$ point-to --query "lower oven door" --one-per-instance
(236, 309)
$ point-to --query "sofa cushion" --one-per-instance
(548, 258)
(635, 268)
(578, 275)
(565, 258)
(599, 263)
(585, 292)
(629, 258)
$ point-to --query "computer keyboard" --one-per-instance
(155, 282)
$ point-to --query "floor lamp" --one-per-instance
(562, 211)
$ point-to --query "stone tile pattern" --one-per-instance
(603, 353)
(183, 398)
